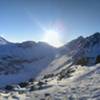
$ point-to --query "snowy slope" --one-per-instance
(71, 72)
(81, 47)
(3, 41)
(84, 85)
(22, 61)
(81, 51)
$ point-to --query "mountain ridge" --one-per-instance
(22, 61)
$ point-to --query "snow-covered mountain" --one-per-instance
(22, 61)
(81, 51)
(3, 41)
(86, 49)
(70, 72)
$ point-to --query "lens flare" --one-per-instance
(52, 37)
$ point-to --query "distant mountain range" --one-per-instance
(22, 61)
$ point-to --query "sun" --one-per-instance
(53, 38)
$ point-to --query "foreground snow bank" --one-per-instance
(83, 85)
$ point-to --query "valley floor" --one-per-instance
(83, 85)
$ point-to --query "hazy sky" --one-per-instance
(27, 19)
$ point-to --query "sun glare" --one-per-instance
(52, 37)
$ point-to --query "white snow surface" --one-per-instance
(83, 85)
(22, 61)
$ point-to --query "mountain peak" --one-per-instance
(80, 38)
(96, 34)
(3, 41)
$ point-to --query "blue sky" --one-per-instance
(25, 19)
